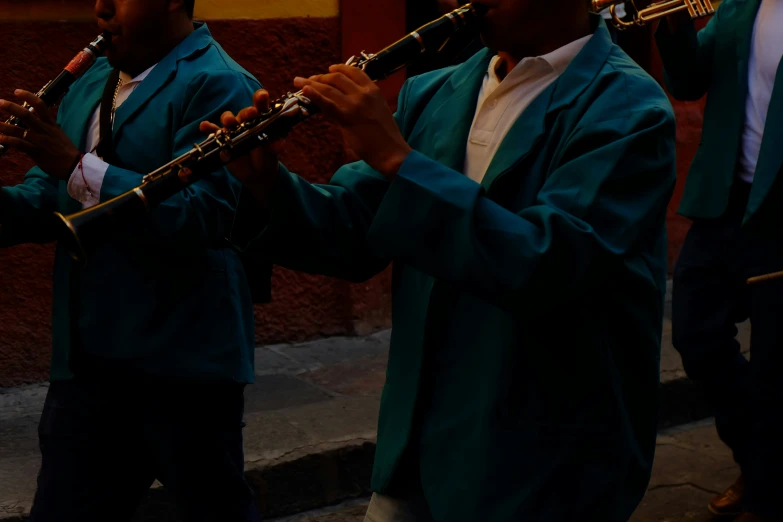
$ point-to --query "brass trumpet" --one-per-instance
(638, 17)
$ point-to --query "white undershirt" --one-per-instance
(501, 103)
(94, 167)
(765, 55)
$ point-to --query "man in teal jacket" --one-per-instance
(733, 195)
(522, 199)
(154, 341)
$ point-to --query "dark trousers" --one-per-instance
(103, 443)
(710, 297)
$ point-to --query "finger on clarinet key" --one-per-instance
(207, 127)
(16, 143)
(24, 114)
(261, 100)
(247, 114)
(36, 103)
(11, 130)
(228, 120)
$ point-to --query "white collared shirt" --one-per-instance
(765, 57)
(501, 103)
(619, 10)
(94, 167)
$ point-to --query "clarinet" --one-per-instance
(53, 92)
(83, 231)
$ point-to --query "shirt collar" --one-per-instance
(126, 79)
(561, 58)
(557, 61)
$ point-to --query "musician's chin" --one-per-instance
(487, 31)
(111, 57)
(111, 45)
(116, 58)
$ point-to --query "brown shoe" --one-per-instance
(729, 503)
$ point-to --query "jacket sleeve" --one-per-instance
(688, 57)
(320, 228)
(201, 214)
(611, 189)
(27, 209)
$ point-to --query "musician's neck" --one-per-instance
(547, 42)
(172, 38)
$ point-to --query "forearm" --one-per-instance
(26, 210)
(441, 223)
(196, 217)
(316, 228)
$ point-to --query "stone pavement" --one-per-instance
(691, 465)
(310, 435)
(311, 418)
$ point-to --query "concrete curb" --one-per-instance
(325, 475)
(681, 401)
(691, 465)
(314, 477)
(322, 478)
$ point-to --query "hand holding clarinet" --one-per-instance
(33, 130)
(41, 138)
(350, 98)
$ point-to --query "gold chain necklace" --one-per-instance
(114, 100)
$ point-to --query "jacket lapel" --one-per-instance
(529, 129)
(160, 76)
(77, 123)
(522, 137)
(455, 103)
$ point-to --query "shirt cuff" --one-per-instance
(86, 180)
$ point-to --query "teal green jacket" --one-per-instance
(714, 62)
(165, 297)
(528, 309)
